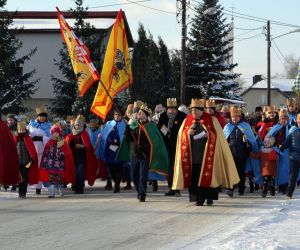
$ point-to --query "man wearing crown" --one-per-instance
(203, 159)
(211, 109)
(292, 111)
(149, 154)
(39, 130)
(241, 140)
(169, 124)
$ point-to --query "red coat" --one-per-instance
(91, 161)
(68, 175)
(9, 165)
(33, 173)
(264, 129)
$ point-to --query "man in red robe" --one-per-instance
(203, 159)
(9, 165)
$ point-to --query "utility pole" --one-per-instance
(183, 57)
(268, 64)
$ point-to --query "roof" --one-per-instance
(283, 85)
(46, 21)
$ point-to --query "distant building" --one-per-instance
(256, 94)
(41, 31)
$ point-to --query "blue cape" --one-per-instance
(94, 135)
(46, 126)
(292, 129)
(245, 128)
(283, 167)
(100, 148)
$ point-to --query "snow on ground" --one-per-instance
(118, 221)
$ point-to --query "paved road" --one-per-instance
(100, 219)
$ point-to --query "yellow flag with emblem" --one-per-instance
(116, 74)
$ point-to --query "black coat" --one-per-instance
(170, 139)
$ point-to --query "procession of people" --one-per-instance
(205, 148)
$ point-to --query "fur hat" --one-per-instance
(41, 111)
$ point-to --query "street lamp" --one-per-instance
(269, 59)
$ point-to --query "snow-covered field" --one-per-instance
(102, 220)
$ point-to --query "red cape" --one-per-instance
(220, 118)
(69, 172)
(33, 173)
(91, 161)
(9, 164)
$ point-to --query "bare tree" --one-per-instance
(291, 66)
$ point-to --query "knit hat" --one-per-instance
(56, 129)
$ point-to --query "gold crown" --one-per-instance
(137, 104)
(210, 103)
(234, 111)
(224, 109)
(40, 110)
(298, 118)
(21, 126)
(146, 108)
(80, 119)
(171, 103)
(197, 103)
(291, 102)
(283, 112)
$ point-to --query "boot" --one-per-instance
(154, 186)
(51, 191)
(251, 184)
(264, 191)
(38, 191)
(128, 186)
(108, 184)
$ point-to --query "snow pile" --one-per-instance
(278, 229)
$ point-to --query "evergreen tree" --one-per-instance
(208, 71)
(176, 67)
(67, 99)
(152, 70)
(15, 85)
(168, 85)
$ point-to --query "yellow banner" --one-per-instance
(116, 73)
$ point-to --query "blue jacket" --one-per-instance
(292, 142)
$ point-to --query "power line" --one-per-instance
(278, 57)
(151, 8)
(248, 32)
(247, 38)
(117, 4)
(279, 50)
(254, 18)
(246, 28)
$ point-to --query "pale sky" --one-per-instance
(250, 54)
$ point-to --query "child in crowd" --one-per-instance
(269, 158)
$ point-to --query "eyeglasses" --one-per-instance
(118, 114)
(270, 112)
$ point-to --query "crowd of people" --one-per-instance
(203, 148)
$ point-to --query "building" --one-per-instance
(41, 30)
(256, 94)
